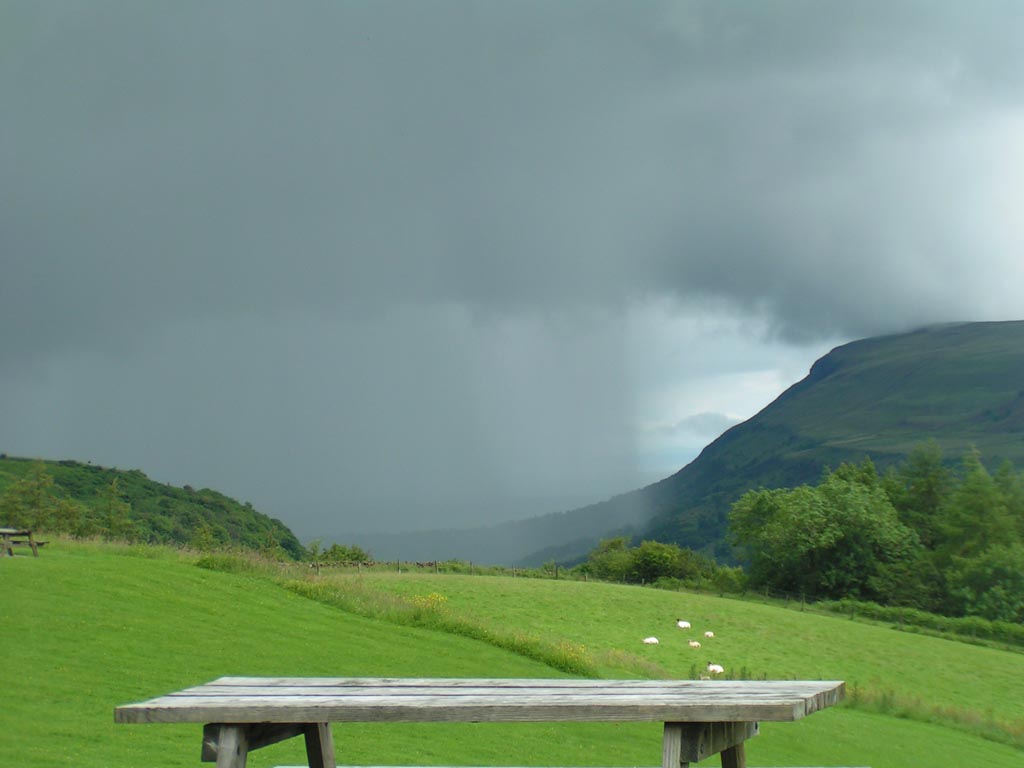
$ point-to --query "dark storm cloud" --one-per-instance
(175, 159)
(392, 245)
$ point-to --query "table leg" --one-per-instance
(685, 743)
(319, 745)
(232, 746)
(735, 757)
(672, 746)
(229, 744)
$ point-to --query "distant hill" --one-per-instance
(159, 513)
(960, 384)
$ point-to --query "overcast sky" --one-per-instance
(385, 266)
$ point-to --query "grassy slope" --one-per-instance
(763, 639)
(924, 674)
(89, 627)
(86, 629)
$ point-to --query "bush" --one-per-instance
(966, 627)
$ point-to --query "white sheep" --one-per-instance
(715, 669)
(650, 641)
(682, 624)
(709, 634)
(694, 644)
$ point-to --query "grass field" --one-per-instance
(86, 627)
(762, 639)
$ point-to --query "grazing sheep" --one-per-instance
(682, 624)
(709, 634)
(650, 641)
(694, 644)
(715, 669)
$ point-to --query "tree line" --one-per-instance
(32, 502)
(921, 535)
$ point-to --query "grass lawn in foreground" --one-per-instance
(89, 627)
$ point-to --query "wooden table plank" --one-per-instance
(516, 683)
(245, 700)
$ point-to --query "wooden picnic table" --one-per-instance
(701, 717)
(12, 537)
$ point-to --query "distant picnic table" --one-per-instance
(17, 537)
(701, 717)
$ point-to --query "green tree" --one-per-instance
(342, 554)
(653, 560)
(314, 550)
(29, 501)
(919, 489)
(202, 538)
(270, 547)
(864, 473)
(990, 585)
(114, 513)
(976, 515)
(834, 540)
(72, 517)
(1011, 485)
(727, 579)
(611, 559)
(778, 528)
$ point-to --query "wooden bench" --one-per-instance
(701, 717)
(16, 537)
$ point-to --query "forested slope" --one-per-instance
(87, 499)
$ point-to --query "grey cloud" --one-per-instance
(357, 232)
(382, 424)
(235, 157)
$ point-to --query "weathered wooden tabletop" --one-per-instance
(701, 717)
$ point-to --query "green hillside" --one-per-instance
(962, 385)
(147, 510)
(90, 626)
